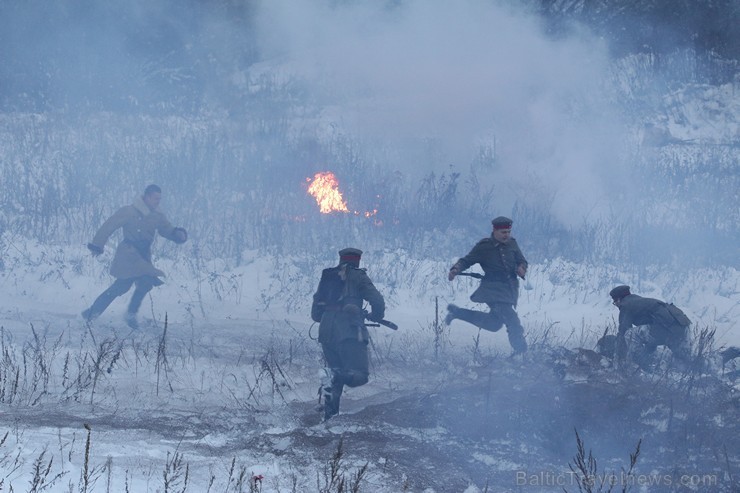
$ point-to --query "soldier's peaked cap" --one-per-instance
(502, 222)
(351, 255)
(354, 252)
(619, 292)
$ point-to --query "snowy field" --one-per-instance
(613, 145)
(223, 396)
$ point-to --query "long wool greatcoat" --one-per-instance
(663, 318)
(667, 324)
(140, 224)
(337, 304)
(499, 262)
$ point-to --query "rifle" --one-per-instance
(378, 323)
(475, 275)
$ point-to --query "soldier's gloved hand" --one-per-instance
(181, 235)
(454, 271)
(521, 271)
(375, 317)
(94, 249)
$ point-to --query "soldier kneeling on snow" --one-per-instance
(665, 325)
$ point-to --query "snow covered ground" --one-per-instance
(225, 392)
(637, 157)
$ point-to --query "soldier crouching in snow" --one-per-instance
(502, 261)
(132, 263)
(337, 306)
(666, 325)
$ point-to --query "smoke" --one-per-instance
(461, 76)
(127, 56)
(422, 85)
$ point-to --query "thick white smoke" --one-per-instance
(460, 74)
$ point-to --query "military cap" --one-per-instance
(619, 292)
(502, 222)
(350, 255)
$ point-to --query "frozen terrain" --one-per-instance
(227, 393)
(608, 131)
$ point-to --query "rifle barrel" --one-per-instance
(386, 323)
(474, 275)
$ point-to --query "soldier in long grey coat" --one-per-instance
(132, 263)
(337, 306)
(666, 325)
(502, 262)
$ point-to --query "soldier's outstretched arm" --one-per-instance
(475, 256)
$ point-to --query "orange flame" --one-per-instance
(325, 189)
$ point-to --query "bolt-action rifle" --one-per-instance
(475, 275)
(378, 323)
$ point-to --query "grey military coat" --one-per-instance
(499, 262)
(337, 304)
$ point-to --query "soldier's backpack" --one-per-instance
(678, 315)
(330, 291)
(331, 287)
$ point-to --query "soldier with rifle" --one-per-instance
(502, 262)
(337, 307)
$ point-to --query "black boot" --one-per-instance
(88, 315)
(517, 341)
(451, 313)
(332, 395)
(324, 387)
(131, 320)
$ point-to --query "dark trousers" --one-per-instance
(350, 366)
(144, 284)
(674, 337)
(500, 314)
(349, 360)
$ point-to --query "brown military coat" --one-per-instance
(499, 262)
(133, 256)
